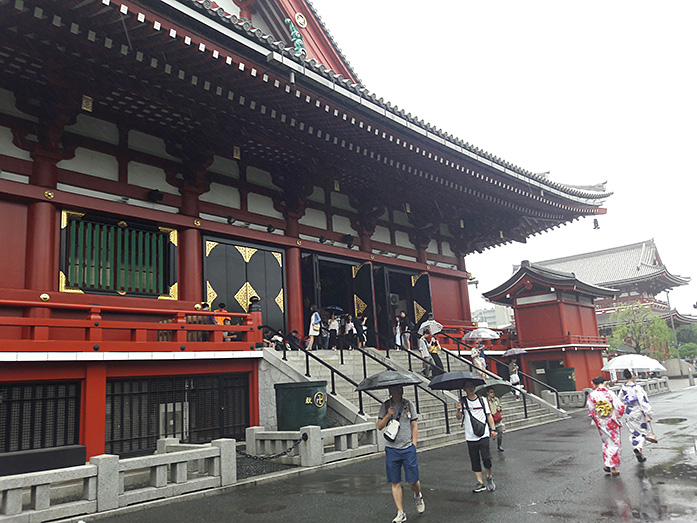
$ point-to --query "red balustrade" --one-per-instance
(69, 327)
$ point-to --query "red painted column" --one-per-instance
(190, 265)
(94, 409)
(464, 290)
(41, 226)
(294, 290)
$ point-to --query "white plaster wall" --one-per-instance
(8, 148)
(382, 234)
(317, 195)
(342, 225)
(7, 106)
(225, 166)
(447, 251)
(401, 239)
(432, 247)
(149, 177)
(260, 177)
(148, 144)
(95, 128)
(340, 201)
(93, 163)
(222, 195)
(259, 204)
(314, 218)
(14, 177)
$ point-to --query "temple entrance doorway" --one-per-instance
(343, 287)
(399, 290)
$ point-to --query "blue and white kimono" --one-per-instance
(637, 410)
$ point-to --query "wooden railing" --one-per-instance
(69, 327)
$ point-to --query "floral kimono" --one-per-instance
(606, 409)
(638, 407)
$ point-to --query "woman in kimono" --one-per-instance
(606, 409)
(639, 412)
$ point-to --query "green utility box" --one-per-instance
(301, 404)
(563, 379)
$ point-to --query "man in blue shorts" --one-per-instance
(401, 451)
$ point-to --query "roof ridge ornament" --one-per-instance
(297, 38)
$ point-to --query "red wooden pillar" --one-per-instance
(94, 409)
(190, 265)
(294, 288)
(464, 290)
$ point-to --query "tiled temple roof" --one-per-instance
(618, 265)
(595, 192)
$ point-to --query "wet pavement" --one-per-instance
(548, 473)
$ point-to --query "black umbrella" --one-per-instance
(455, 380)
(500, 387)
(388, 378)
(334, 308)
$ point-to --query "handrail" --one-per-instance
(459, 342)
(308, 354)
(416, 386)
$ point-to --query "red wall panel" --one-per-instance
(446, 299)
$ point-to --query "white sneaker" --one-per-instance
(401, 516)
(420, 505)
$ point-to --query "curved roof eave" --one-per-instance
(275, 51)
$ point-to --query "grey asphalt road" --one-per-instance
(548, 473)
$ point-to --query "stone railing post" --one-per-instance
(312, 450)
(107, 481)
(250, 437)
(228, 461)
(163, 443)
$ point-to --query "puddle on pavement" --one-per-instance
(671, 421)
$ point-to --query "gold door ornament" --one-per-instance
(279, 300)
(244, 294)
(419, 311)
(246, 252)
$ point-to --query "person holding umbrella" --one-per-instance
(639, 412)
(479, 428)
(401, 451)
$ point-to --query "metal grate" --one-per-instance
(195, 410)
(39, 415)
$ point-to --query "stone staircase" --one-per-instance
(432, 427)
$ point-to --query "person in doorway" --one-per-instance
(294, 337)
(401, 453)
(638, 411)
(362, 330)
(497, 416)
(479, 428)
(315, 323)
(406, 327)
(606, 409)
(350, 332)
(333, 331)
(427, 366)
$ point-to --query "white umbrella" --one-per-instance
(482, 333)
(432, 325)
(636, 362)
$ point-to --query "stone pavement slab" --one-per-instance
(547, 473)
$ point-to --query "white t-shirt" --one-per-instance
(475, 409)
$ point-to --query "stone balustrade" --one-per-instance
(577, 399)
(110, 483)
(322, 445)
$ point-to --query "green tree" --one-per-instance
(641, 328)
(687, 351)
(686, 334)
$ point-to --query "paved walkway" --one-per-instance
(548, 473)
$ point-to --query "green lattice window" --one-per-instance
(102, 255)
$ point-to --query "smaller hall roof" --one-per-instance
(530, 274)
(619, 267)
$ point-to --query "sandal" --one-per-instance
(615, 472)
(606, 469)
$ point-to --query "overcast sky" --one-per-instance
(590, 91)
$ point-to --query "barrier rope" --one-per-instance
(275, 456)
